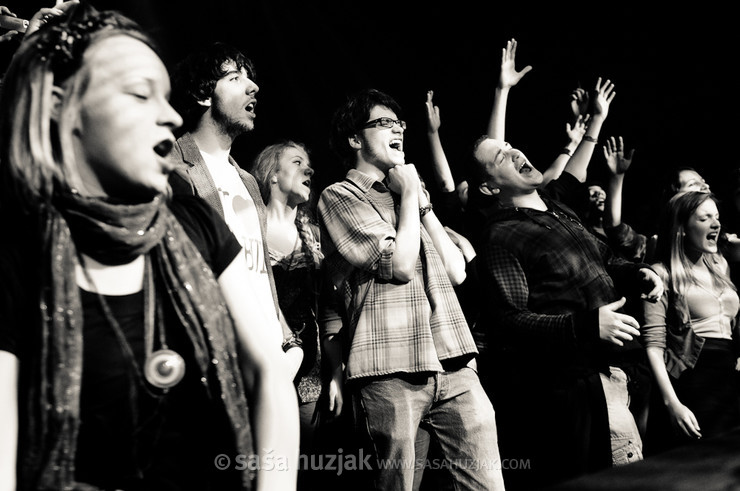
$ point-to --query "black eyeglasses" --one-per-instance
(385, 123)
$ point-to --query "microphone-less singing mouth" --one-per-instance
(164, 147)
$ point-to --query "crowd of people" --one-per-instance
(172, 319)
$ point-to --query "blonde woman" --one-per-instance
(690, 333)
(126, 358)
(284, 173)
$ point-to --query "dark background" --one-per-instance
(673, 70)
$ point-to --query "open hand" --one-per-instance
(615, 327)
(433, 120)
(604, 96)
(509, 77)
(616, 160)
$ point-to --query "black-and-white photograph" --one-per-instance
(284, 245)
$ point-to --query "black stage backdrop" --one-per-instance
(673, 70)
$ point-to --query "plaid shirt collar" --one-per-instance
(366, 182)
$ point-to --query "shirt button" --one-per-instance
(629, 455)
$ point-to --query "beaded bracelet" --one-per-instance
(590, 139)
(566, 151)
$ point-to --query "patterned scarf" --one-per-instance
(116, 234)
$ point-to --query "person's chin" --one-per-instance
(158, 186)
(243, 126)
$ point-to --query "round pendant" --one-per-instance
(164, 368)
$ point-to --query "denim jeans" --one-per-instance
(452, 406)
(625, 438)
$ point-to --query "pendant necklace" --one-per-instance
(163, 368)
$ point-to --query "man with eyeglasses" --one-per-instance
(409, 353)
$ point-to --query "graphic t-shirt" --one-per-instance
(240, 213)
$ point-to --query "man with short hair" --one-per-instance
(552, 315)
(410, 356)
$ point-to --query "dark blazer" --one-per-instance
(191, 176)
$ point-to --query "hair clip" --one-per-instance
(63, 39)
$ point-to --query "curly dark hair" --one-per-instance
(194, 78)
(349, 117)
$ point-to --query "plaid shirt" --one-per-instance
(392, 326)
(546, 275)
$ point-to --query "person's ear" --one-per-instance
(355, 142)
(273, 179)
(488, 189)
(205, 102)
(57, 98)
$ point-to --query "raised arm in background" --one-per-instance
(508, 78)
(578, 164)
(575, 134)
(618, 163)
(622, 237)
(442, 171)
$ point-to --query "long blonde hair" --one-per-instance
(36, 125)
(266, 165)
(671, 247)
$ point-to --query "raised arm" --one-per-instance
(508, 77)
(442, 172)
(575, 133)
(618, 163)
(579, 105)
(622, 237)
(578, 163)
(43, 15)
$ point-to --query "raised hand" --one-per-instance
(604, 96)
(43, 15)
(433, 120)
(615, 327)
(579, 100)
(576, 131)
(508, 76)
(616, 160)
